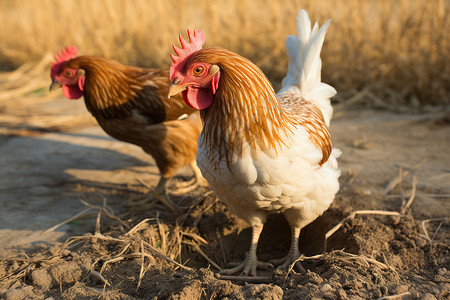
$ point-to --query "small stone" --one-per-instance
(326, 288)
(442, 271)
(41, 278)
(314, 278)
(395, 220)
(420, 242)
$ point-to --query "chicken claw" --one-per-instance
(251, 263)
(158, 192)
(293, 255)
(188, 186)
(248, 267)
(286, 262)
(163, 200)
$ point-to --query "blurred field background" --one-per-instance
(380, 53)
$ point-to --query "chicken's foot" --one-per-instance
(285, 262)
(158, 192)
(163, 199)
(188, 186)
(251, 263)
(248, 267)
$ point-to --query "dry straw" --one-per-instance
(394, 51)
(154, 238)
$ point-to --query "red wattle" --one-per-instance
(72, 91)
(198, 98)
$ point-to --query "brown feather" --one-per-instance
(311, 118)
(131, 105)
(246, 109)
(114, 90)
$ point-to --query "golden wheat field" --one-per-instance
(396, 51)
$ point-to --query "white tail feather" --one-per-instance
(305, 64)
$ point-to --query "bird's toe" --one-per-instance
(285, 264)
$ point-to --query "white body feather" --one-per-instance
(258, 182)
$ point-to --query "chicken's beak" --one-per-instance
(55, 84)
(175, 88)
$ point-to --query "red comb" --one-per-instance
(66, 54)
(62, 56)
(196, 41)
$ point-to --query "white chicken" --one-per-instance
(260, 152)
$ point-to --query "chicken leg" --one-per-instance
(251, 263)
(187, 186)
(293, 254)
(158, 192)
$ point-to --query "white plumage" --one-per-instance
(265, 182)
(257, 182)
(303, 77)
(260, 152)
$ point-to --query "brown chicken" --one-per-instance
(131, 105)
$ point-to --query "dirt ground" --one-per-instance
(73, 228)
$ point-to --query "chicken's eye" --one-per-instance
(69, 73)
(198, 70)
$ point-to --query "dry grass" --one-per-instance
(171, 240)
(148, 240)
(394, 50)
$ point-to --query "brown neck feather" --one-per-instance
(245, 109)
(109, 85)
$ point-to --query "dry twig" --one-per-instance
(425, 231)
(78, 216)
(142, 270)
(197, 248)
(249, 279)
(406, 205)
(333, 255)
(117, 259)
(98, 276)
(404, 295)
(138, 226)
(398, 179)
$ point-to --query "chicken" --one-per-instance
(130, 104)
(261, 153)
